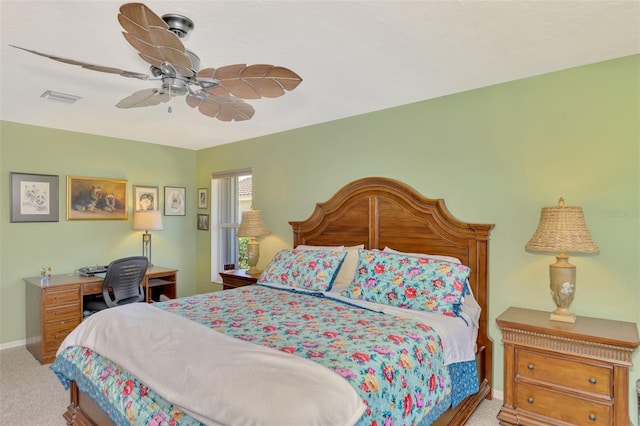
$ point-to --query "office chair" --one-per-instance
(124, 278)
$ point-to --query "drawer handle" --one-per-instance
(592, 417)
(530, 367)
(593, 380)
(530, 400)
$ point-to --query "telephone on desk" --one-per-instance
(90, 271)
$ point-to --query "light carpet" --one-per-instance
(30, 394)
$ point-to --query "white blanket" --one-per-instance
(215, 378)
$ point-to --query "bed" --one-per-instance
(371, 219)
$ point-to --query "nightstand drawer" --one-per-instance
(63, 297)
(573, 374)
(237, 278)
(562, 407)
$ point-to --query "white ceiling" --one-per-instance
(354, 57)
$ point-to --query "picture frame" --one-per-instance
(175, 201)
(94, 198)
(145, 197)
(203, 198)
(34, 197)
(203, 222)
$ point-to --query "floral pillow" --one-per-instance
(423, 284)
(309, 269)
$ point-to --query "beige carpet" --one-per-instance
(30, 394)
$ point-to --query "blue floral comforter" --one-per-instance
(395, 364)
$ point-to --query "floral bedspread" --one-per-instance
(396, 364)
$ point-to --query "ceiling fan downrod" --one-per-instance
(178, 24)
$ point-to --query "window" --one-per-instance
(231, 194)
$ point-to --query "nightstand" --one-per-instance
(563, 373)
(237, 278)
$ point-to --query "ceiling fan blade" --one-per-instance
(224, 109)
(143, 98)
(141, 15)
(157, 55)
(251, 82)
(150, 36)
(88, 66)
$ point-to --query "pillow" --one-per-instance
(411, 282)
(424, 255)
(304, 247)
(309, 269)
(349, 265)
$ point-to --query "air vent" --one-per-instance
(60, 97)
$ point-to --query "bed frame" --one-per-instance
(379, 212)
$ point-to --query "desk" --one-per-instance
(54, 307)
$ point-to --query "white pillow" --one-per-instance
(333, 248)
(348, 268)
(425, 256)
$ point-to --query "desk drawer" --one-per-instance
(564, 372)
(62, 297)
(562, 407)
(62, 314)
(54, 334)
(92, 288)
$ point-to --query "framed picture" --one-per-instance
(145, 197)
(34, 198)
(174, 201)
(203, 196)
(203, 222)
(91, 198)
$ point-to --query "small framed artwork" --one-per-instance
(145, 197)
(91, 198)
(203, 198)
(174, 201)
(203, 222)
(34, 198)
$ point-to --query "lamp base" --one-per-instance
(563, 288)
(253, 254)
(254, 271)
(563, 317)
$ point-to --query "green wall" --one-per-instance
(67, 245)
(496, 155)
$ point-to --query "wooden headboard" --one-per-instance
(379, 212)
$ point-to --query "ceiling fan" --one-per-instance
(216, 92)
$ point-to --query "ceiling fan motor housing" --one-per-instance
(175, 86)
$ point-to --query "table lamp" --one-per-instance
(562, 229)
(252, 225)
(147, 220)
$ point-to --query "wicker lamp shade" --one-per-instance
(562, 229)
(252, 224)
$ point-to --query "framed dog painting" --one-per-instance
(34, 198)
(90, 198)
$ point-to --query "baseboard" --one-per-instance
(14, 344)
(497, 394)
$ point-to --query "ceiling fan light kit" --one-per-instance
(215, 92)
